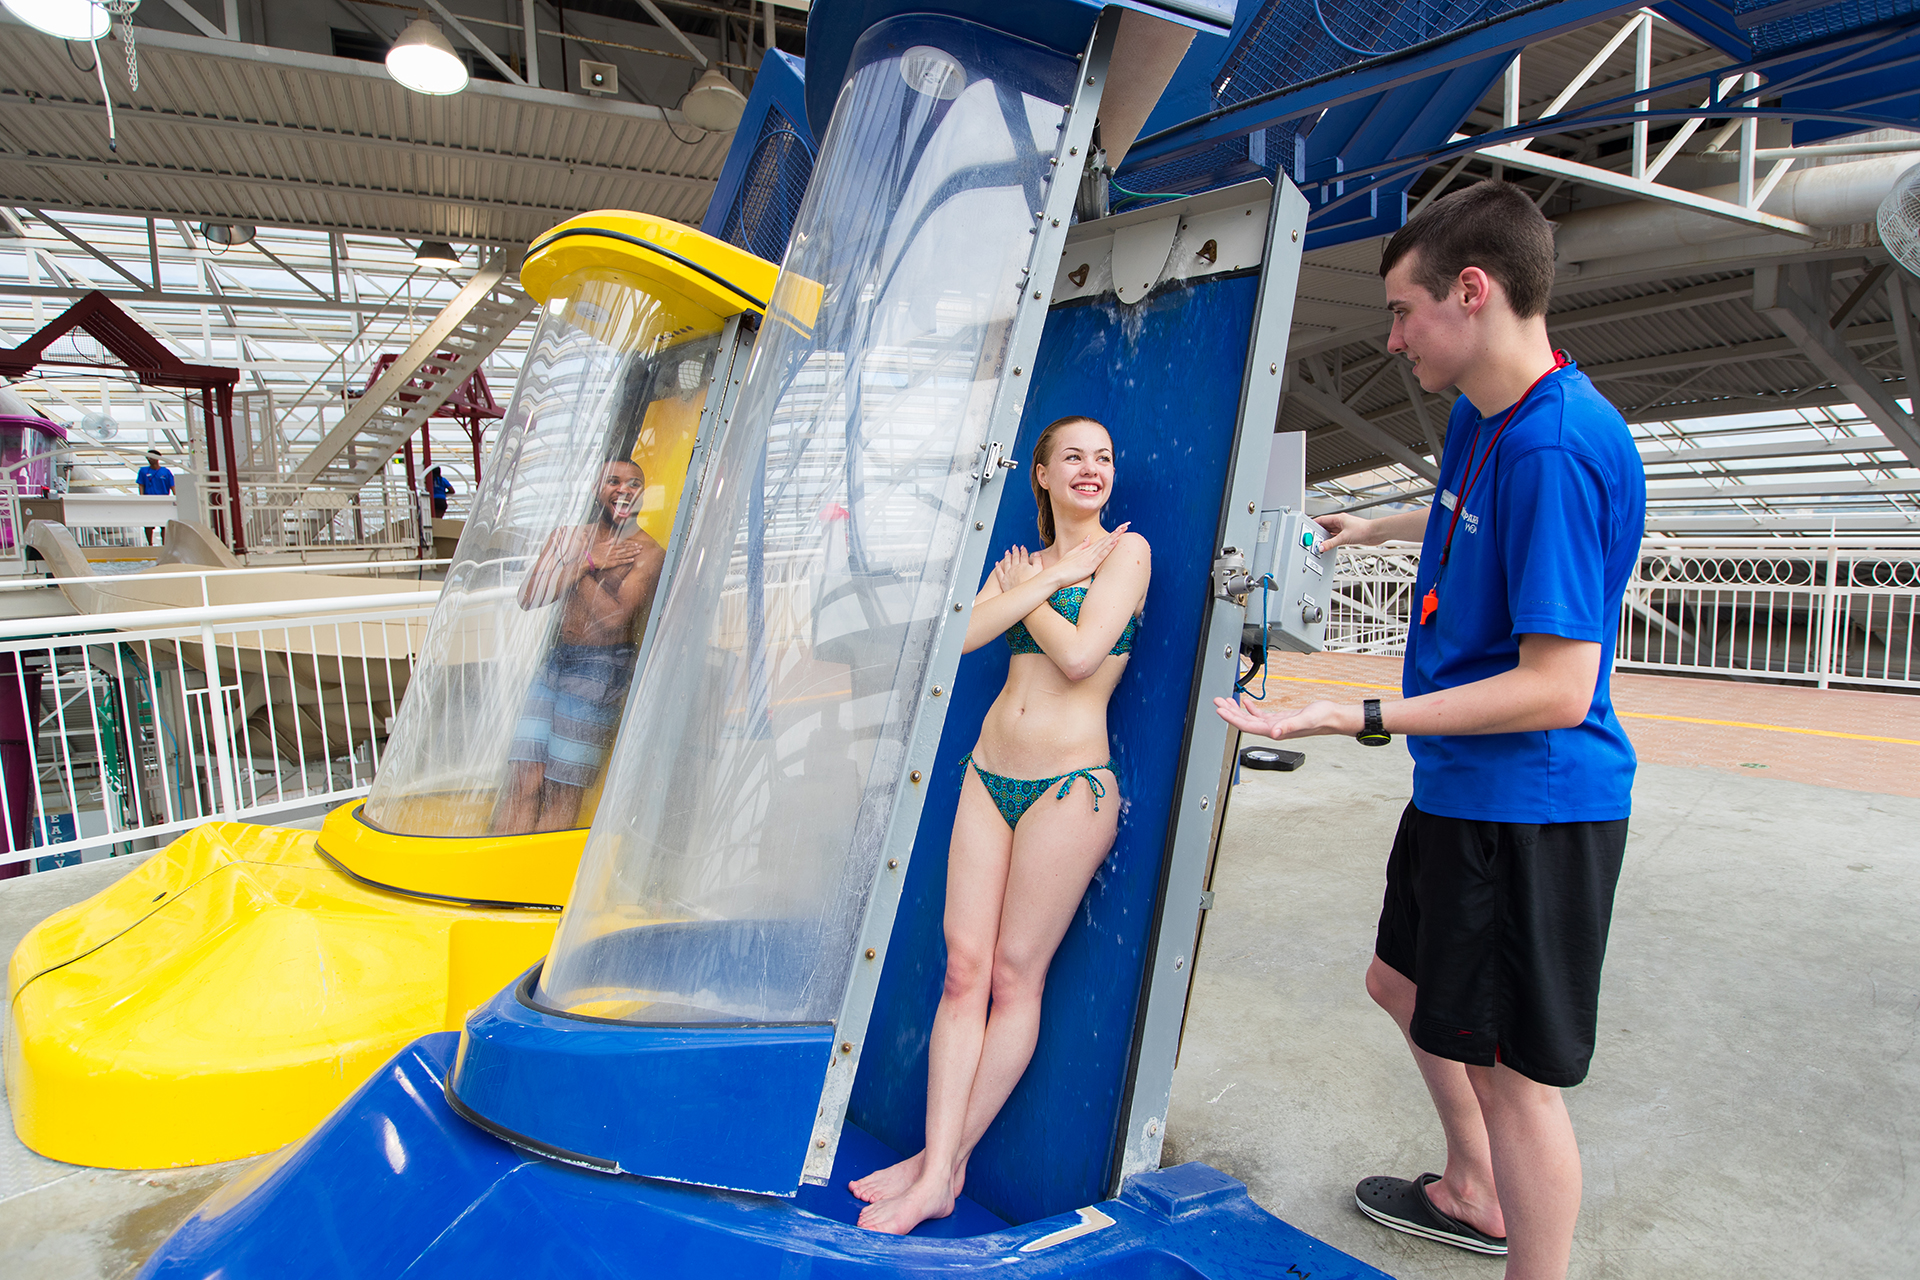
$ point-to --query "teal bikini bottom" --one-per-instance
(1014, 796)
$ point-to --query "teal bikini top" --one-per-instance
(1066, 602)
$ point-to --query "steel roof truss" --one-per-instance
(1794, 298)
(1318, 395)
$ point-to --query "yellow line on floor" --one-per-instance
(1345, 684)
(1644, 715)
(1772, 728)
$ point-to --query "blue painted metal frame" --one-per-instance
(1356, 120)
(779, 86)
(395, 1183)
(833, 26)
(1366, 133)
(718, 1105)
(1165, 376)
(1369, 79)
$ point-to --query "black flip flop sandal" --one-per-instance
(1401, 1205)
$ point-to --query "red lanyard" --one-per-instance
(1431, 600)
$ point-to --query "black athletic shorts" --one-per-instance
(1502, 926)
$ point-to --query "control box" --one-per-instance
(1291, 550)
(1290, 560)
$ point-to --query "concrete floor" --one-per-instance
(66, 1222)
(61, 1221)
(1750, 1109)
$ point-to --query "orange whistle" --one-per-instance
(1428, 603)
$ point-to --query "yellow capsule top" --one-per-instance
(701, 279)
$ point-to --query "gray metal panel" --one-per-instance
(1049, 238)
(1170, 970)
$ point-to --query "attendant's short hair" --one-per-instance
(1491, 225)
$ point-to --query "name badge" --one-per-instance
(1448, 500)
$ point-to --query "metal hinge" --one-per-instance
(993, 463)
(1230, 582)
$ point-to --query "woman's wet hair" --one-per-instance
(1042, 455)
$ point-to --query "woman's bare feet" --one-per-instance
(897, 1215)
(884, 1184)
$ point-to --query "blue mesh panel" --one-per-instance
(1290, 41)
(769, 199)
(1234, 160)
(1814, 25)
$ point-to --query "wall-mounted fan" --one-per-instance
(1899, 221)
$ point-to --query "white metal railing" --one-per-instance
(1815, 610)
(119, 728)
(13, 539)
(372, 569)
(1372, 599)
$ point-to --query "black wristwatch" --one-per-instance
(1373, 733)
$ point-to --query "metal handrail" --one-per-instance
(101, 579)
(176, 619)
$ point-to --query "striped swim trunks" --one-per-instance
(573, 710)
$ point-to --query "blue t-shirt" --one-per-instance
(154, 481)
(1545, 543)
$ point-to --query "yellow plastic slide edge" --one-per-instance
(703, 274)
(220, 999)
(532, 870)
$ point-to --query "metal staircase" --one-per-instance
(419, 382)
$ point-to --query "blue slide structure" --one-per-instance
(733, 1021)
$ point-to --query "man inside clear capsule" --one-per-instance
(602, 574)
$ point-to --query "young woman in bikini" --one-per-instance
(1027, 836)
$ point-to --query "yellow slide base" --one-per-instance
(224, 996)
(533, 870)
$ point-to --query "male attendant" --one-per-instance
(1501, 879)
(439, 489)
(155, 481)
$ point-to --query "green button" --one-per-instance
(1306, 539)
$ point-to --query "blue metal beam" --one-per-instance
(1502, 36)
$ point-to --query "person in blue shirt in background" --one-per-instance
(439, 488)
(155, 481)
(1501, 879)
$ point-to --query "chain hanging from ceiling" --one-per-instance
(122, 12)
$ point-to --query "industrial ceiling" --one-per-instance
(279, 130)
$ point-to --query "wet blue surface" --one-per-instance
(1164, 376)
(395, 1184)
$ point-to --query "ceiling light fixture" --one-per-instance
(226, 233)
(436, 253)
(423, 60)
(62, 19)
(713, 103)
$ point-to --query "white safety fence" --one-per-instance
(122, 728)
(379, 516)
(1819, 611)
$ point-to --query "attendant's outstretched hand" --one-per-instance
(1347, 530)
(1314, 718)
